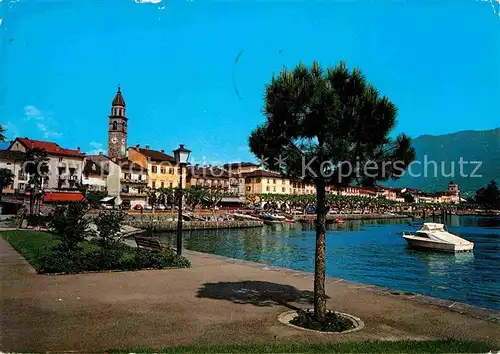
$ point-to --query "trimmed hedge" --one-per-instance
(101, 259)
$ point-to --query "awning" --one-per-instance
(56, 197)
(107, 199)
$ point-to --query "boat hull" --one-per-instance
(429, 245)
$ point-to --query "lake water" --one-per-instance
(372, 252)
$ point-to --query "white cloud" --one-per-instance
(47, 132)
(97, 148)
(147, 1)
(31, 112)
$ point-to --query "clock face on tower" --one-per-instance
(114, 140)
(123, 141)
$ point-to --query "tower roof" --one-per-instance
(118, 100)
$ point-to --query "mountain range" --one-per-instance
(480, 151)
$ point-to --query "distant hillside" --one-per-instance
(446, 150)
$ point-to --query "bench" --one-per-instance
(149, 244)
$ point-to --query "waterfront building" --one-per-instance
(65, 165)
(13, 161)
(100, 173)
(162, 169)
(134, 182)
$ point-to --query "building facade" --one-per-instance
(65, 165)
(161, 168)
(100, 173)
(13, 161)
(213, 177)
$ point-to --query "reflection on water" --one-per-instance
(373, 252)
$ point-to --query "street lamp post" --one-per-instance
(181, 157)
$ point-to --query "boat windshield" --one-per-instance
(422, 234)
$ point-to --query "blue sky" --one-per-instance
(438, 61)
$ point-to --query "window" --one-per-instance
(115, 126)
(274, 189)
(154, 169)
(60, 159)
(170, 184)
(258, 180)
(171, 171)
(268, 188)
(283, 189)
(249, 189)
(163, 170)
(154, 185)
(274, 181)
(162, 184)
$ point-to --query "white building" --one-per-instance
(65, 165)
(13, 161)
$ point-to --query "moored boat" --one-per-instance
(434, 237)
(339, 220)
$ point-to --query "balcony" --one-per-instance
(133, 180)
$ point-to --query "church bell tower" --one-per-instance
(117, 132)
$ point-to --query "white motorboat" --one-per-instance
(434, 237)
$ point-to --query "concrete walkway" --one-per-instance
(218, 300)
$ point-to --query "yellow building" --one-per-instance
(265, 182)
(212, 177)
(162, 170)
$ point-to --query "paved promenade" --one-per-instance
(216, 301)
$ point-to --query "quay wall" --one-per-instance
(169, 225)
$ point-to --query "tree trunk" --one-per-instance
(319, 267)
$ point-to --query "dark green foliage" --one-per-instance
(403, 346)
(94, 197)
(489, 197)
(101, 259)
(329, 128)
(6, 179)
(38, 220)
(70, 225)
(108, 225)
(332, 322)
(42, 250)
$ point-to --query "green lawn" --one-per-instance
(39, 249)
(437, 346)
(34, 244)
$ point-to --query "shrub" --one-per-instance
(108, 225)
(70, 225)
(37, 220)
(80, 260)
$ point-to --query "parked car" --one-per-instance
(311, 210)
(138, 207)
(160, 207)
(148, 207)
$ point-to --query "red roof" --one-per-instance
(51, 148)
(262, 173)
(58, 197)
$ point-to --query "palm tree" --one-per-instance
(322, 124)
(6, 179)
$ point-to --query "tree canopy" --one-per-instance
(331, 125)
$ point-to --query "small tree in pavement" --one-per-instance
(320, 126)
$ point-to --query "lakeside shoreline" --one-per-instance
(483, 313)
